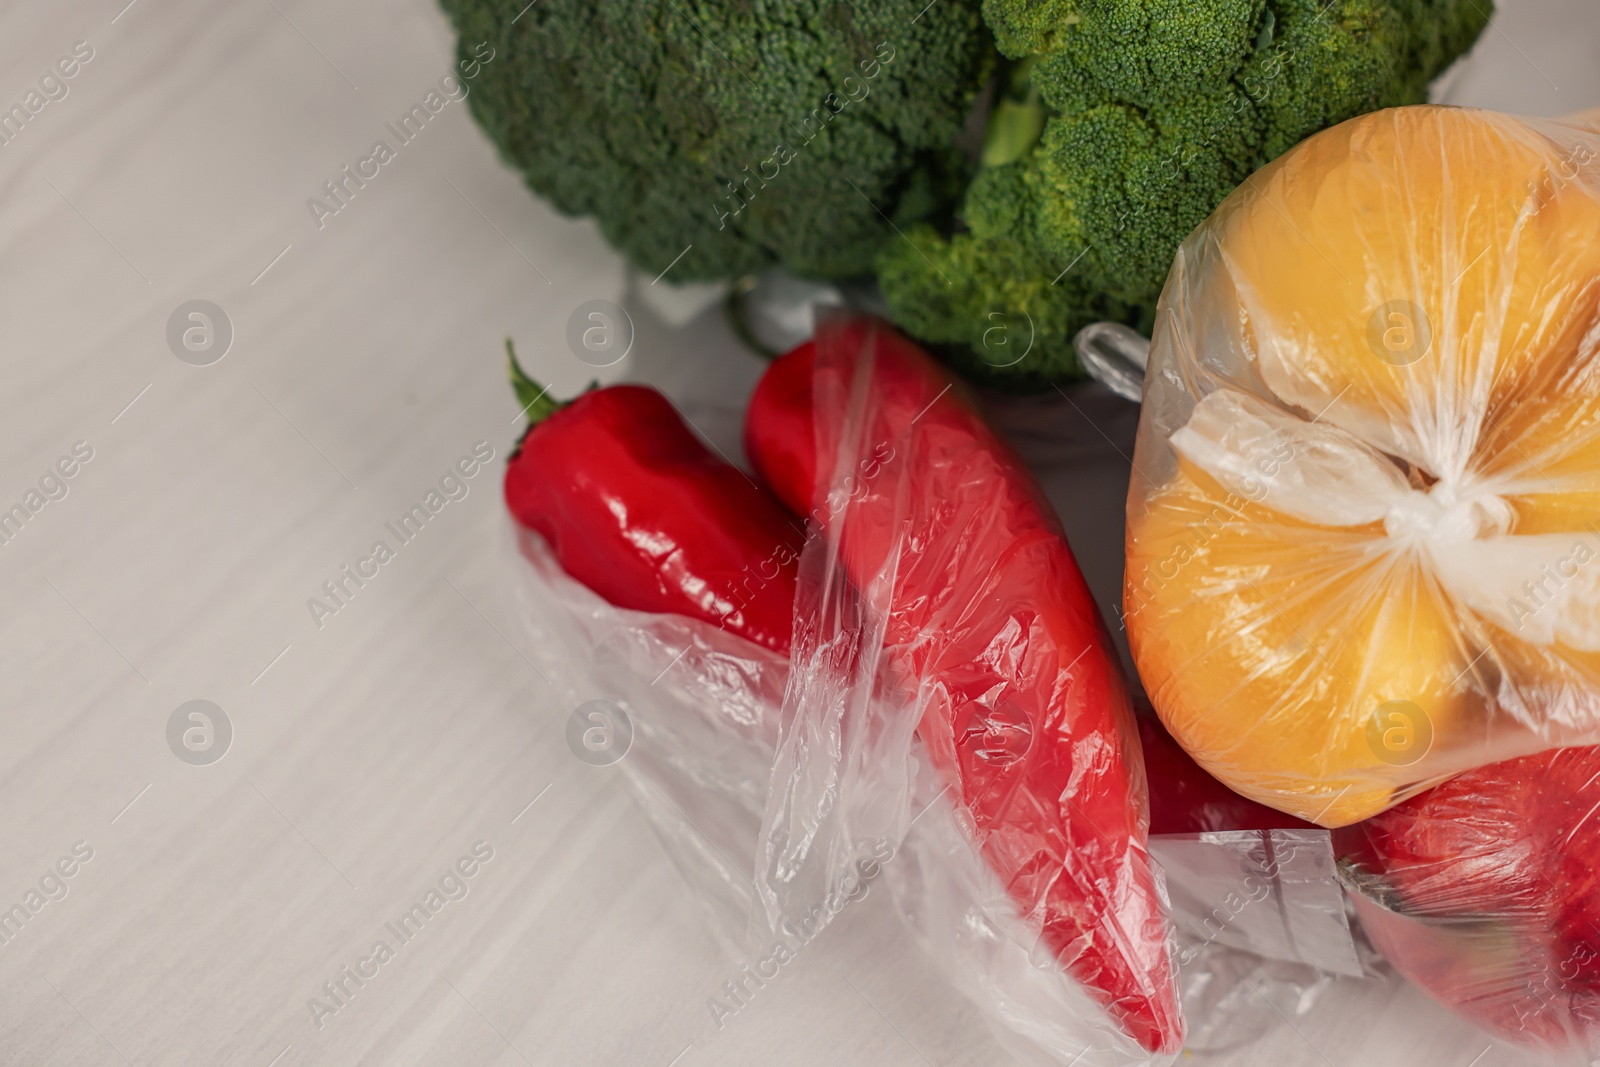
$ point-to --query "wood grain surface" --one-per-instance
(378, 746)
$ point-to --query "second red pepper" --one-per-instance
(986, 609)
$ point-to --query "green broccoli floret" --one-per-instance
(1154, 111)
(753, 131)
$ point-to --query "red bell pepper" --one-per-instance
(982, 604)
(635, 507)
(1186, 799)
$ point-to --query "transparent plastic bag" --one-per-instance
(1271, 893)
(1362, 553)
(1242, 877)
(1485, 892)
(685, 710)
(691, 715)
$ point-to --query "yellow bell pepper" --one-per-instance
(1423, 283)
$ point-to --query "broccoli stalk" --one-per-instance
(1017, 119)
(1156, 110)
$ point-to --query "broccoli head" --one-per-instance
(745, 132)
(1154, 110)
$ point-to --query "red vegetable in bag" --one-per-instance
(638, 510)
(1485, 891)
(1185, 799)
(986, 618)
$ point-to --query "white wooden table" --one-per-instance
(372, 753)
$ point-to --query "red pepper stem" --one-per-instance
(536, 402)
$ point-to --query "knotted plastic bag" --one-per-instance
(1363, 551)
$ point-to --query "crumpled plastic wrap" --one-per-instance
(691, 717)
(1485, 892)
(686, 711)
(1362, 550)
(1271, 893)
(699, 710)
